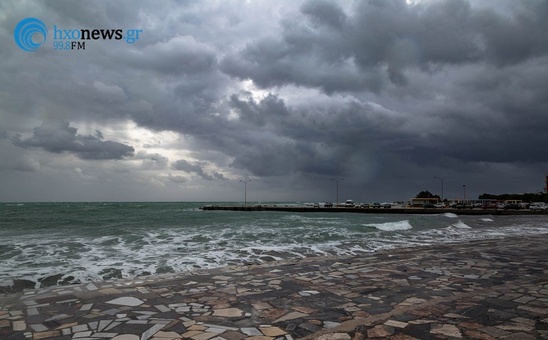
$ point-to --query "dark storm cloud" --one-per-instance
(182, 55)
(58, 137)
(325, 13)
(372, 91)
(516, 37)
(272, 139)
(88, 15)
(494, 115)
(389, 37)
(271, 108)
(494, 63)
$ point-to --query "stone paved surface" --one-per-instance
(492, 289)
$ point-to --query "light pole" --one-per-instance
(337, 181)
(463, 193)
(245, 190)
(441, 179)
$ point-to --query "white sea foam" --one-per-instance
(356, 249)
(392, 226)
(461, 225)
(450, 215)
(306, 220)
(189, 240)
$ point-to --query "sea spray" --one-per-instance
(391, 226)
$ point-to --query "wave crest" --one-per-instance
(392, 226)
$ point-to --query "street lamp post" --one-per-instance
(337, 181)
(441, 179)
(245, 190)
(463, 193)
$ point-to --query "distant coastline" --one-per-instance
(294, 208)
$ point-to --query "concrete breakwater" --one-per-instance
(393, 210)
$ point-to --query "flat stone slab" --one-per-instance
(126, 301)
(228, 312)
(126, 337)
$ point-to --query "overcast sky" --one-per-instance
(384, 94)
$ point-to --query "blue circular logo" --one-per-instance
(30, 33)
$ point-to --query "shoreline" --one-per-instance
(56, 280)
(495, 287)
(23, 285)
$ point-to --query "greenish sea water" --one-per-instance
(84, 242)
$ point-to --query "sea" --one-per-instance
(44, 244)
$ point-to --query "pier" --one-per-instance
(393, 210)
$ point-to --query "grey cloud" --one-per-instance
(284, 157)
(27, 163)
(492, 112)
(516, 37)
(271, 108)
(325, 12)
(497, 115)
(86, 15)
(181, 55)
(188, 167)
(159, 159)
(272, 139)
(391, 36)
(177, 179)
(219, 175)
(351, 121)
(58, 137)
(271, 63)
(151, 161)
(372, 91)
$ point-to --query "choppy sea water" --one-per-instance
(84, 242)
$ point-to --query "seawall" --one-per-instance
(307, 209)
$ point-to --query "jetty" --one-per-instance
(392, 210)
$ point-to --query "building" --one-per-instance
(421, 202)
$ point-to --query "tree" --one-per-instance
(426, 194)
(527, 197)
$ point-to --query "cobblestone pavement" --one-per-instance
(491, 289)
